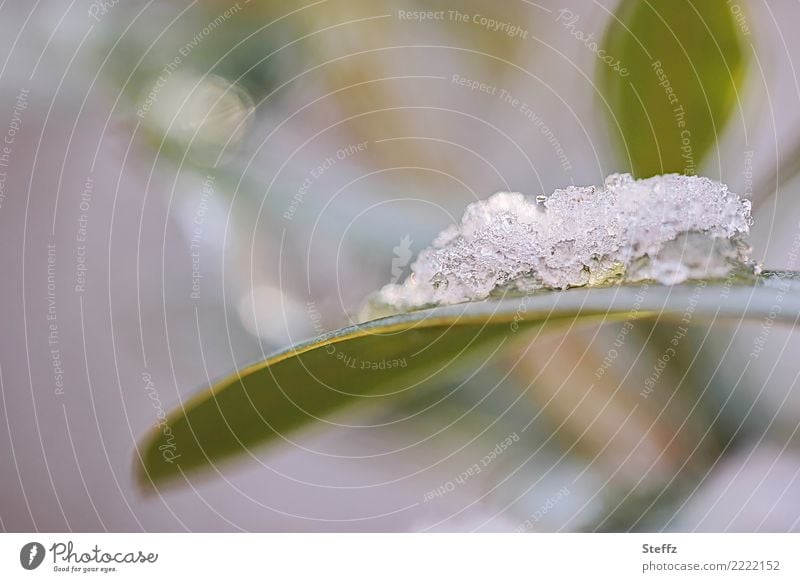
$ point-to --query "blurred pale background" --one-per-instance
(192, 185)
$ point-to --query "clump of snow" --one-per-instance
(666, 228)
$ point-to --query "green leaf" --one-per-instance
(682, 63)
(389, 359)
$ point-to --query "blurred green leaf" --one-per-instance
(391, 358)
(683, 62)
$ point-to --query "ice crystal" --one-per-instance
(666, 229)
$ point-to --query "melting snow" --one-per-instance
(666, 228)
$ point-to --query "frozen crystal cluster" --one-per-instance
(666, 228)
